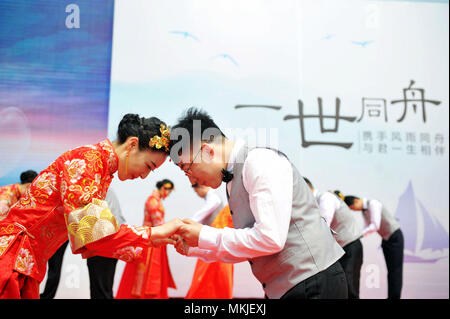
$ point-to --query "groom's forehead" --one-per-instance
(183, 157)
(183, 151)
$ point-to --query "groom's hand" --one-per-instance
(190, 231)
(180, 245)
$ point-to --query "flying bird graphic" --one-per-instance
(226, 56)
(362, 43)
(328, 37)
(185, 34)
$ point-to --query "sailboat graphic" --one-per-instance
(426, 241)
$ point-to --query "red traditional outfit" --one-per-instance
(213, 280)
(65, 200)
(149, 277)
(9, 195)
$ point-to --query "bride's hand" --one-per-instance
(162, 242)
(165, 230)
(180, 245)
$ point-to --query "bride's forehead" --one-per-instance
(155, 156)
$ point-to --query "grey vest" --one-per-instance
(344, 223)
(310, 246)
(388, 224)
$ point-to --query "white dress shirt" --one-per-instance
(267, 177)
(374, 209)
(328, 204)
(114, 206)
(213, 201)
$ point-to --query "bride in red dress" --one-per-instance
(10, 194)
(67, 200)
(150, 277)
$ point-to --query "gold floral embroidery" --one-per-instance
(8, 229)
(112, 159)
(128, 254)
(4, 209)
(88, 191)
(75, 169)
(85, 191)
(142, 231)
(94, 159)
(91, 223)
(69, 200)
(4, 242)
(24, 261)
(97, 178)
(27, 201)
(45, 183)
(63, 188)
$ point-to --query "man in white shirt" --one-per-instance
(378, 219)
(213, 204)
(347, 233)
(277, 223)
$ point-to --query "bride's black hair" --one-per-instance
(142, 128)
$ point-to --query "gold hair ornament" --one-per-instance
(161, 141)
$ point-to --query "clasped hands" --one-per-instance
(182, 233)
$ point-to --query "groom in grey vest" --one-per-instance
(278, 228)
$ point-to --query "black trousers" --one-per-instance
(54, 273)
(327, 284)
(393, 255)
(351, 262)
(101, 275)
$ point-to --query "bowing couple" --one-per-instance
(277, 223)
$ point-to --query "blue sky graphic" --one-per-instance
(59, 77)
(67, 70)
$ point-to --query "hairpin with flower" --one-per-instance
(161, 141)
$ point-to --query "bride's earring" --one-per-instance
(126, 164)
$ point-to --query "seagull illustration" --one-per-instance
(328, 36)
(362, 43)
(185, 34)
(226, 56)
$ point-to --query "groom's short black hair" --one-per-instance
(209, 130)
